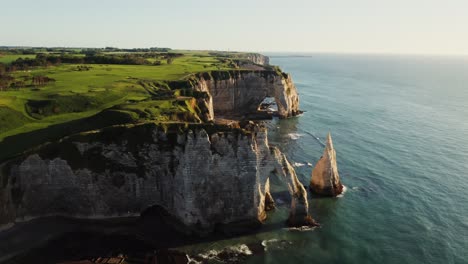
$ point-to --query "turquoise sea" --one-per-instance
(400, 130)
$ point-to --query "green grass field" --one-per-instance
(111, 92)
(12, 57)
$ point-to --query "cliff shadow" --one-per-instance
(14, 145)
(57, 239)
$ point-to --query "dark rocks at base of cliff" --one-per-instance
(146, 238)
(301, 220)
(234, 254)
(332, 191)
(258, 116)
(269, 202)
(141, 240)
(58, 239)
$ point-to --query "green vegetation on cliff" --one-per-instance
(47, 94)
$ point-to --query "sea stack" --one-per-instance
(325, 178)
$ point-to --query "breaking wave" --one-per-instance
(232, 254)
(302, 228)
(298, 164)
(295, 136)
(275, 244)
(342, 194)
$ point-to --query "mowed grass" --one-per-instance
(95, 85)
(79, 95)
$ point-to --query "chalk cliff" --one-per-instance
(203, 175)
(239, 93)
(325, 178)
(258, 58)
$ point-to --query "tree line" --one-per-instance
(45, 60)
(35, 50)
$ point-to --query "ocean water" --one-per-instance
(400, 129)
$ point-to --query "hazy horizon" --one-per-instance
(362, 27)
(264, 52)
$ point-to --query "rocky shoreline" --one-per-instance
(126, 240)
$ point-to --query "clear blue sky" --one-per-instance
(384, 26)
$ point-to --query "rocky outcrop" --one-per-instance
(325, 178)
(258, 58)
(241, 92)
(202, 175)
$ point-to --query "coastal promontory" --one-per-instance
(104, 134)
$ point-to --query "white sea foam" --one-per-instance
(210, 254)
(241, 249)
(309, 164)
(302, 228)
(192, 261)
(265, 243)
(342, 194)
(235, 253)
(295, 136)
(298, 164)
(275, 244)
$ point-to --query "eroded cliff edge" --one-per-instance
(237, 94)
(203, 175)
(240, 92)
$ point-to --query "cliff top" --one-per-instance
(49, 93)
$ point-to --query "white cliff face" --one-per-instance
(202, 179)
(258, 58)
(241, 92)
(325, 178)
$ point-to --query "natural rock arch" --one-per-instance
(238, 93)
